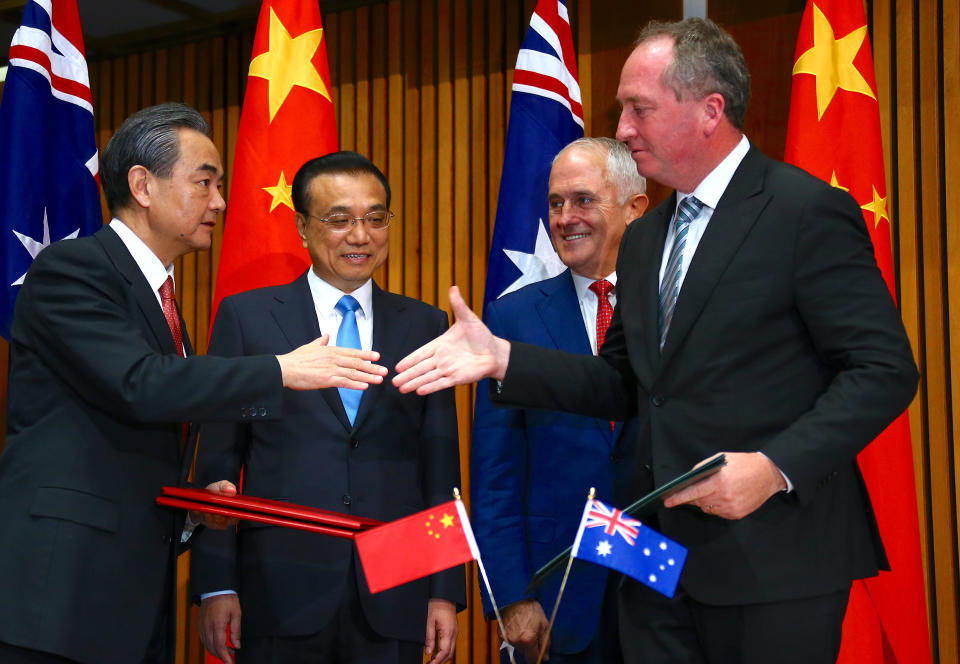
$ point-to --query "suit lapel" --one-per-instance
(652, 236)
(736, 213)
(294, 311)
(146, 299)
(390, 329)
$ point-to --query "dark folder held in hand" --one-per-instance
(264, 510)
(646, 505)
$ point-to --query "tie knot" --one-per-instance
(166, 289)
(689, 209)
(347, 304)
(601, 287)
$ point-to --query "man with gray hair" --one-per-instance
(103, 389)
(751, 320)
(530, 469)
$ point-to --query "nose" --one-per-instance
(624, 127)
(217, 203)
(358, 233)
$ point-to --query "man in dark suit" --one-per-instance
(303, 596)
(531, 469)
(783, 349)
(99, 395)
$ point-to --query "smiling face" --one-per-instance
(181, 210)
(587, 218)
(344, 260)
(665, 136)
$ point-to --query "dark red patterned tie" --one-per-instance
(170, 313)
(173, 320)
(603, 288)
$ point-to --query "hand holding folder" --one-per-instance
(646, 505)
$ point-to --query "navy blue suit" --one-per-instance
(531, 471)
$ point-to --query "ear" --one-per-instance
(636, 206)
(301, 227)
(138, 179)
(714, 106)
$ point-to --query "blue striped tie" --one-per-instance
(349, 337)
(687, 211)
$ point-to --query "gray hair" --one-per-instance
(706, 59)
(621, 170)
(147, 138)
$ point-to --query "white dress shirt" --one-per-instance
(325, 298)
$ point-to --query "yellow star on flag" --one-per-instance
(447, 521)
(831, 61)
(281, 193)
(288, 63)
(834, 182)
(878, 206)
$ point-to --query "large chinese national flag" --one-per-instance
(834, 133)
(287, 118)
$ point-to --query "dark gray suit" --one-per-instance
(97, 397)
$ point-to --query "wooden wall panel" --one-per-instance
(423, 87)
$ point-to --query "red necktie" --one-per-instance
(170, 313)
(173, 320)
(603, 288)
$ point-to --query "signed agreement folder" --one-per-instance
(263, 510)
(646, 505)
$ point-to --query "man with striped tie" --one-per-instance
(291, 596)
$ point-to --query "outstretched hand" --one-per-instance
(318, 365)
(464, 354)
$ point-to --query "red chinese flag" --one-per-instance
(834, 133)
(287, 119)
(416, 546)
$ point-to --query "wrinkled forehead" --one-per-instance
(346, 192)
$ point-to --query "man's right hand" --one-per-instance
(216, 614)
(317, 365)
(526, 626)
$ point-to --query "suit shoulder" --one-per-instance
(78, 258)
(257, 296)
(413, 306)
(521, 298)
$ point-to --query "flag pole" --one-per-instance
(563, 585)
(493, 602)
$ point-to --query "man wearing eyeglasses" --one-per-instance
(302, 597)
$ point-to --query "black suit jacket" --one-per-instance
(400, 456)
(97, 396)
(784, 340)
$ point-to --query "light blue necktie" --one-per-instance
(687, 211)
(349, 337)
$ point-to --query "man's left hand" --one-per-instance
(216, 521)
(740, 487)
(441, 630)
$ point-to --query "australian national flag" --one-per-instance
(545, 115)
(610, 538)
(48, 154)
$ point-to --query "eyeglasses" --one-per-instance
(341, 223)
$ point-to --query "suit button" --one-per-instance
(167, 539)
(347, 499)
(263, 412)
(657, 400)
(354, 443)
(252, 410)
(243, 412)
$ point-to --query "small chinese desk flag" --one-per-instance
(416, 546)
(610, 538)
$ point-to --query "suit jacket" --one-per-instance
(784, 340)
(97, 397)
(530, 471)
(400, 456)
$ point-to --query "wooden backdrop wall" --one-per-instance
(422, 86)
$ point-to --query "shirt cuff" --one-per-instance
(204, 596)
(786, 479)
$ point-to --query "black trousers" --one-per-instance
(654, 629)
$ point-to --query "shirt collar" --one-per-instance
(152, 268)
(325, 296)
(711, 188)
(582, 283)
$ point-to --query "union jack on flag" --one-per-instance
(48, 154)
(545, 114)
(612, 520)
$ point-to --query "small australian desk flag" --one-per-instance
(610, 538)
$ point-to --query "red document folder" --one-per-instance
(263, 510)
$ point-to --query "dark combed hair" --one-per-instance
(147, 138)
(706, 59)
(344, 162)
